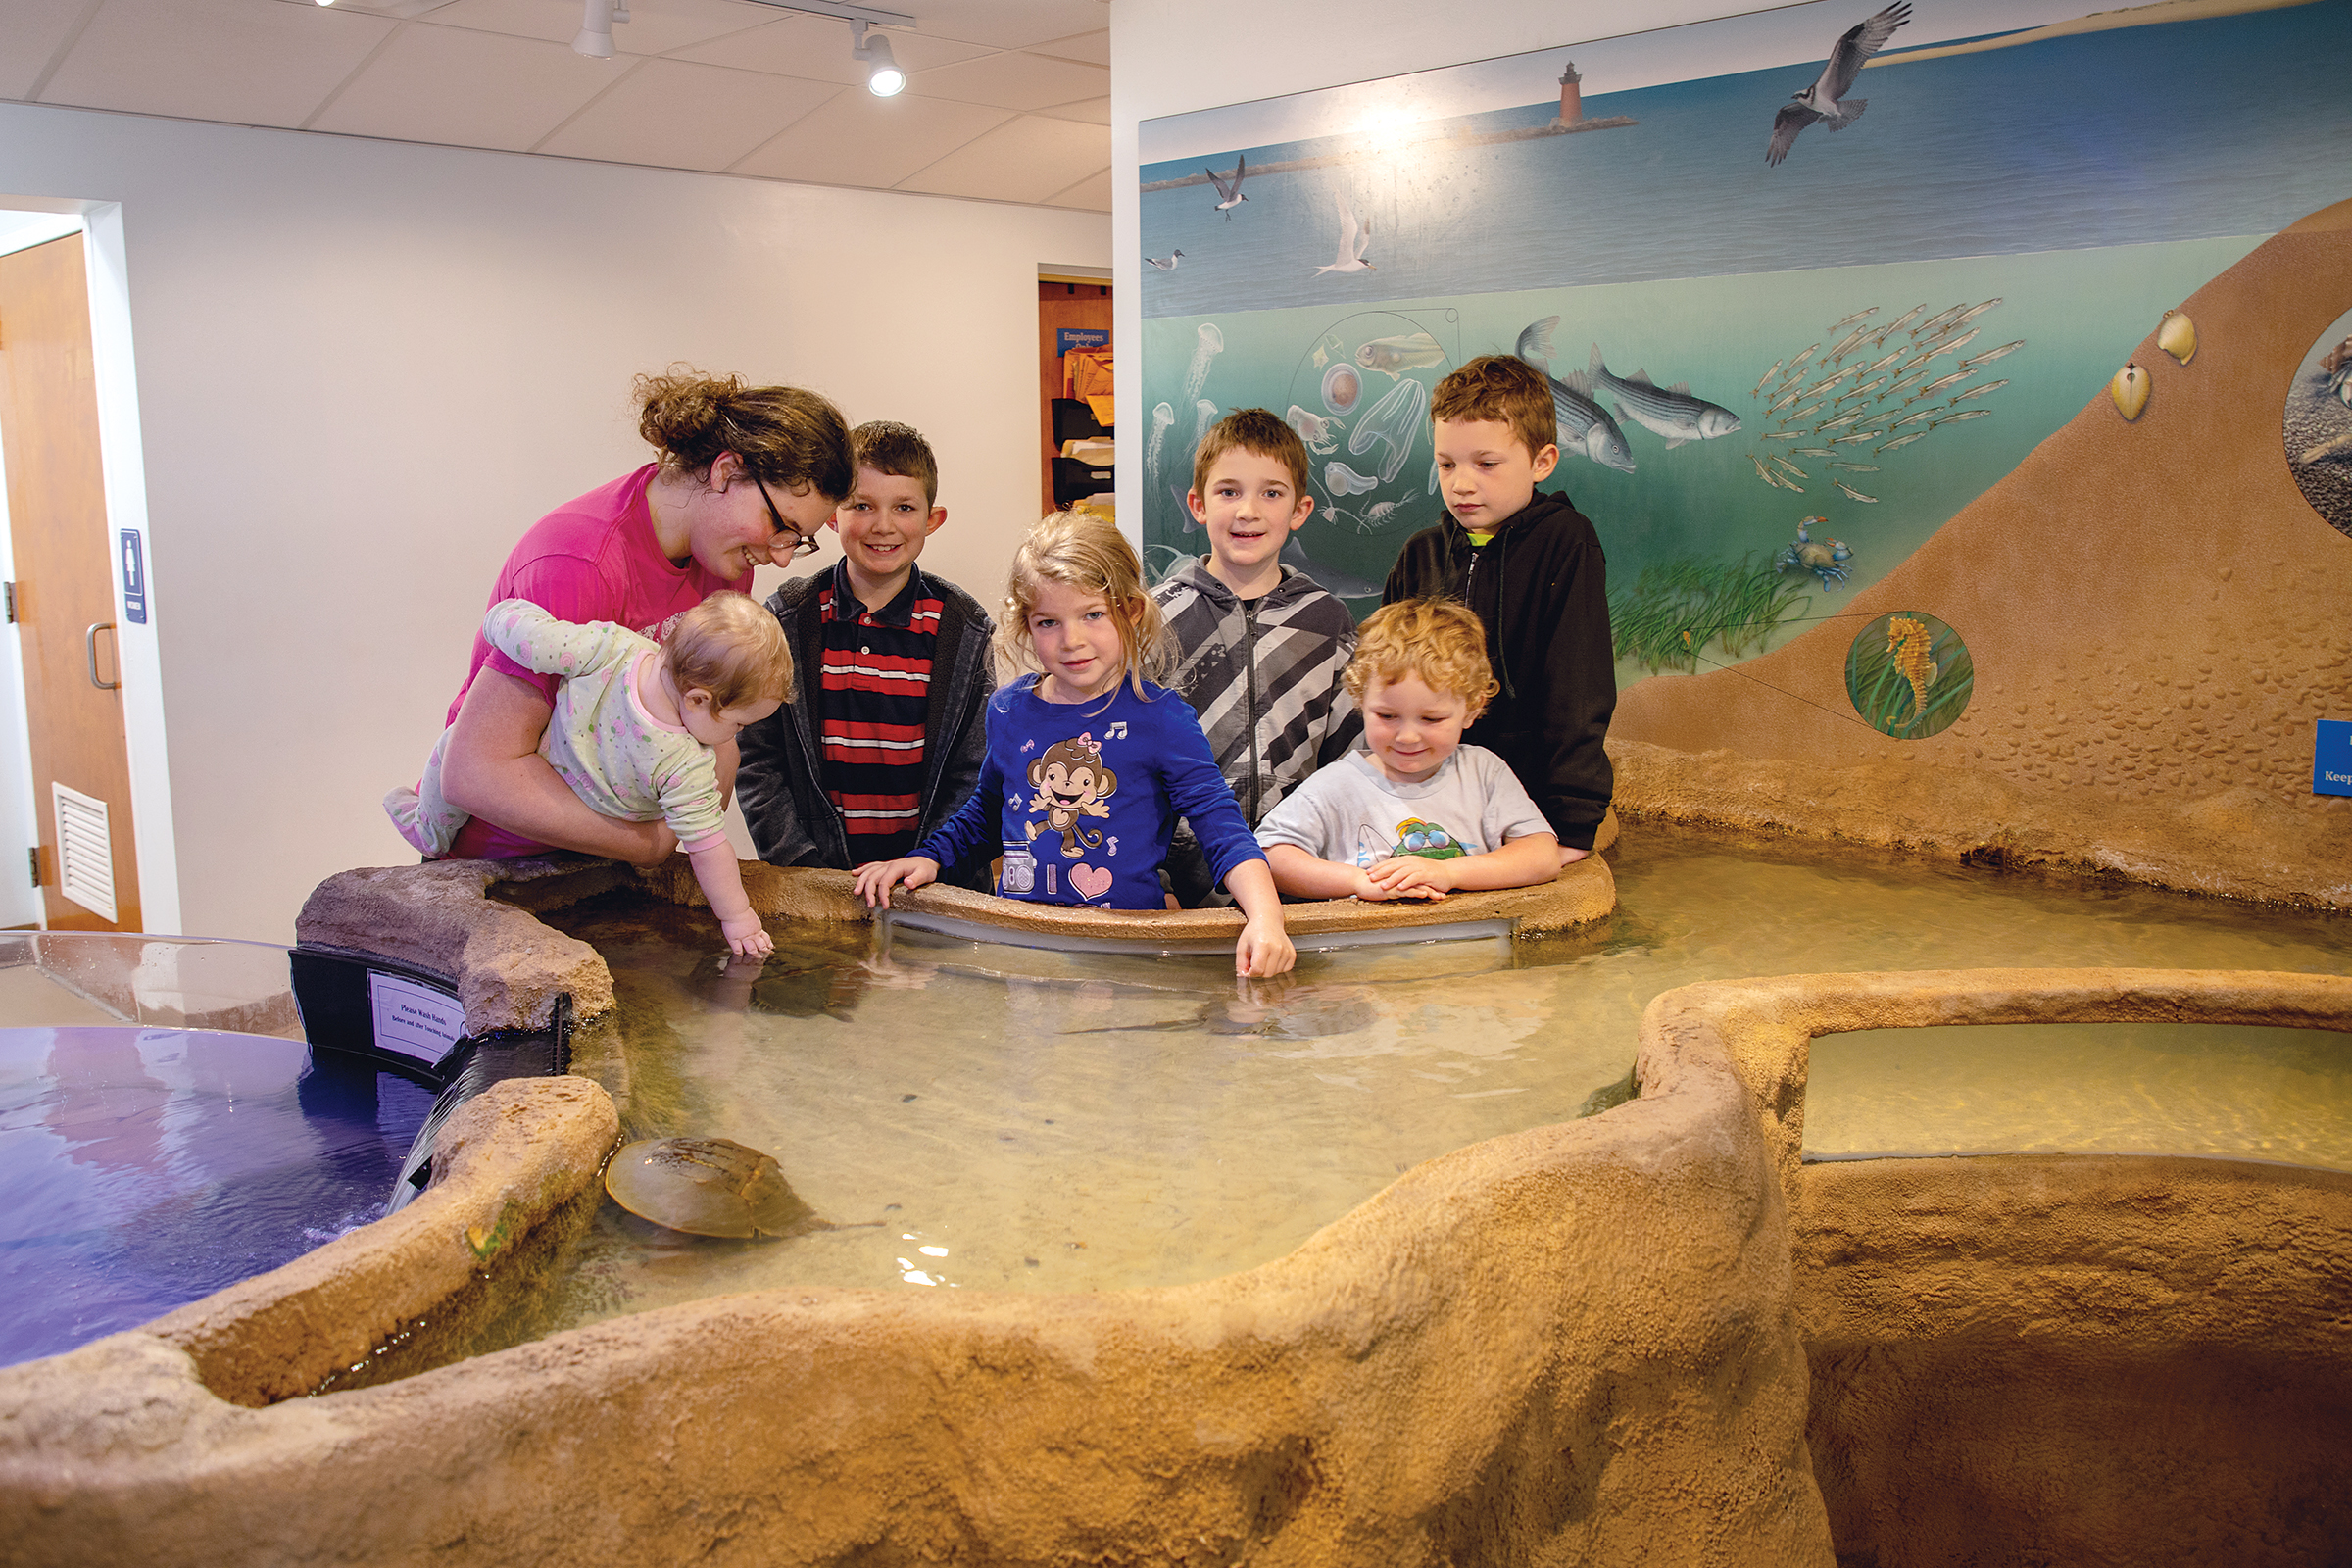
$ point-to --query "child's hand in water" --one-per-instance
(876, 878)
(1264, 948)
(746, 936)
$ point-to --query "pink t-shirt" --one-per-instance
(593, 558)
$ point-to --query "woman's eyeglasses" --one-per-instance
(801, 544)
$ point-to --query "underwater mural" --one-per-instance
(1795, 318)
(2318, 426)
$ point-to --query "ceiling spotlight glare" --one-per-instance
(327, 2)
(595, 39)
(884, 79)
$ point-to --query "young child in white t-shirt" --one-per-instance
(1416, 813)
(636, 730)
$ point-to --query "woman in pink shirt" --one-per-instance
(747, 476)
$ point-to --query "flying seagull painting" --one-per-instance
(1229, 187)
(1353, 238)
(1824, 101)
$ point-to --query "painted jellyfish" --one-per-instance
(1343, 385)
(1320, 434)
(1210, 345)
(1204, 414)
(1397, 419)
(1162, 418)
(1341, 480)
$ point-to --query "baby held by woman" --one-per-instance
(636, 727)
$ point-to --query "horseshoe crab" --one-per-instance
(707, 1187)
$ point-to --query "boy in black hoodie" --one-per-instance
(1530, 565)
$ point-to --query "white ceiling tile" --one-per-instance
(674, 114)
(1013, 82)
(1008, 23)
(1094, 48)
(232, 60)
(1025, 159)
(1094, 111)
(860, 140)
(1093, 194)
(467, 90)
(30, 35)
(817, 48)
(654, 28)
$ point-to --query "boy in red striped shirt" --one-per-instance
(884, 738)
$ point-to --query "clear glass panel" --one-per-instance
(99, 977)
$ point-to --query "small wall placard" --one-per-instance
(414, 1020)
(2331, 757)
(1068, 338)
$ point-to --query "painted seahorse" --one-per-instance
(1907, 643)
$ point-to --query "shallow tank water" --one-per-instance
(148, 1163)
(968, 1115)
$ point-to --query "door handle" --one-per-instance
(89, 648)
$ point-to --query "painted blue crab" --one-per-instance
(1825, 558)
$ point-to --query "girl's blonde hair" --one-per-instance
(731, 648)
(1086, 552)
(1440, 641)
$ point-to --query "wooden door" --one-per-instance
(65, 583)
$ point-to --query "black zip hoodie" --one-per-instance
(1541, 586)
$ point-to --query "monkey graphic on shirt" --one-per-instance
(1071, 783)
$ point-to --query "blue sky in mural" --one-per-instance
(2234, 125)
(2066, 190)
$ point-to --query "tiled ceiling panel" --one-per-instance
(484, 90)
(1013, 82)
(1093, 48)
(1091, 194)
(1006, 99)
(31, 36)
(248, 60)
(819, 48)
(1094, 111)
(679, 115)
(859, 139)
(1006, 23)
(654, 28)
(1025, 159)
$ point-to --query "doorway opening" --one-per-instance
(1074, 396)
(82, 783)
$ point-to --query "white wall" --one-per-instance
(364, 367)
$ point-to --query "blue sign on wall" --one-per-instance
(1066, 338)
(2331, 757)
(134, 579)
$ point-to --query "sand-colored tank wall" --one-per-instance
(2156, 617)
(1581, 1342)
(1572, 1344)
(2036, 1358)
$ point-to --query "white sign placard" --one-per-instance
(414, 1020)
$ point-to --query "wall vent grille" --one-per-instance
(85, 852)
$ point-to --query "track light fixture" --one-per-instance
(883, 78)
(595, 37)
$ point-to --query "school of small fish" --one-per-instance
(1891, 369)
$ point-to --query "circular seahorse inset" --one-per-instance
(2318, 425)
(1342, 384)
(1909, 675)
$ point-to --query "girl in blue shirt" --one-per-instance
(1090, 764)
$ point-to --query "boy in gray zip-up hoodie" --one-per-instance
(1259, 648)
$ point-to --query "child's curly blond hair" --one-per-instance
(1438, 640)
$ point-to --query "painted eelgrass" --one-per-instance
(1675, 606)
(1883, 694)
